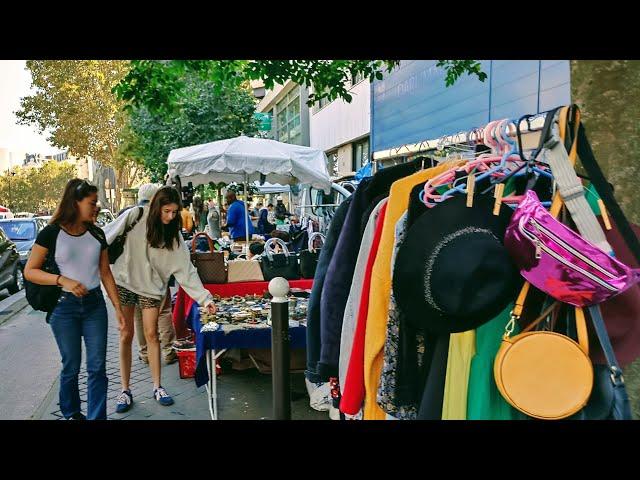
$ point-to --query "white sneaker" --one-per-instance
(319, 395)
(334, 413)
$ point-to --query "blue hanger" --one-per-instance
(500, 167)
(530, 167)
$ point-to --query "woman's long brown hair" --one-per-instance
(160, 235)
(67, 212)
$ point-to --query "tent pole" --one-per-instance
(246, 214)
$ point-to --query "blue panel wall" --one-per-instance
(413, 104)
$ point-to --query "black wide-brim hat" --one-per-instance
(452, 273)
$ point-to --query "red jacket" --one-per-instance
(353, 391)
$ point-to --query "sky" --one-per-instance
(15, 82)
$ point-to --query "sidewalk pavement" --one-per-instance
(244, 395)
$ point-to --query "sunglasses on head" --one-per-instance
(83, 187)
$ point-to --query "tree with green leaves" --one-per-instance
(203, 115)
(159, 85)
(75, 105)
(32, 189)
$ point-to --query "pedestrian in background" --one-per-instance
(81, 312)
(264, 225)
(213, 220)
(202, 217)
(187, 220)
(255, 214)
(271, 214)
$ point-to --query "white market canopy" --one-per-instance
(246, 159)
(269, 188)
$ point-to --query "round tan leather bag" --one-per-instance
(545, 375)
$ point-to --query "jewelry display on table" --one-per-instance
(250, 312)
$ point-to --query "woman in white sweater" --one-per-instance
(153, 251)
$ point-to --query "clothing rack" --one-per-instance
(529, 129)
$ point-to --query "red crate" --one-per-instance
(187, 363)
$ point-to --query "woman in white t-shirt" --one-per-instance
(81, 257)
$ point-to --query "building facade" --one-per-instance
(342, 129)
(287, 106)
(412, 104)
(339, 128)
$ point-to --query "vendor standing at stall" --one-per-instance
(238, 219)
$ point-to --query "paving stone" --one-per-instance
(250, 390)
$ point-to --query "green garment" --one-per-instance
(484, 401)
(592, 198)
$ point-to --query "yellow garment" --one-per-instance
(378, 312)
(462, 348)
(187, 221)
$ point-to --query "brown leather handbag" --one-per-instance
(544, 374)
(210, 265)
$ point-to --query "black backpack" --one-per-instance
(45, 297)
(117, 247)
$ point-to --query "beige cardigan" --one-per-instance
(146, 270)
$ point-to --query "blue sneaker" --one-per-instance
(125, 401)
(162, 397)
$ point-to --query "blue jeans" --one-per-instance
(72, 319)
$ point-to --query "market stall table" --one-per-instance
(211, 345)
(184, 302)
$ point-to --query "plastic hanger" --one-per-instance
(498, 143)
(487, 137)
(529, 166)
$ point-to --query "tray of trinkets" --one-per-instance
(249, 312)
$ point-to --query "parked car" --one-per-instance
(105, 217)
(23, 232)
(11, 276)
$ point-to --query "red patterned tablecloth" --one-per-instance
(184, 301)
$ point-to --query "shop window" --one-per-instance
(332, 163)
(320, 104)
(288, 127)
(360, 154)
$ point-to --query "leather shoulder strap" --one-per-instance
(605, 191)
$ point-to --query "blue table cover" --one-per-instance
(218, 340)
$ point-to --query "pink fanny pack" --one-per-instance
(561, 263)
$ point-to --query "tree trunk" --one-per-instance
(607, 93)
